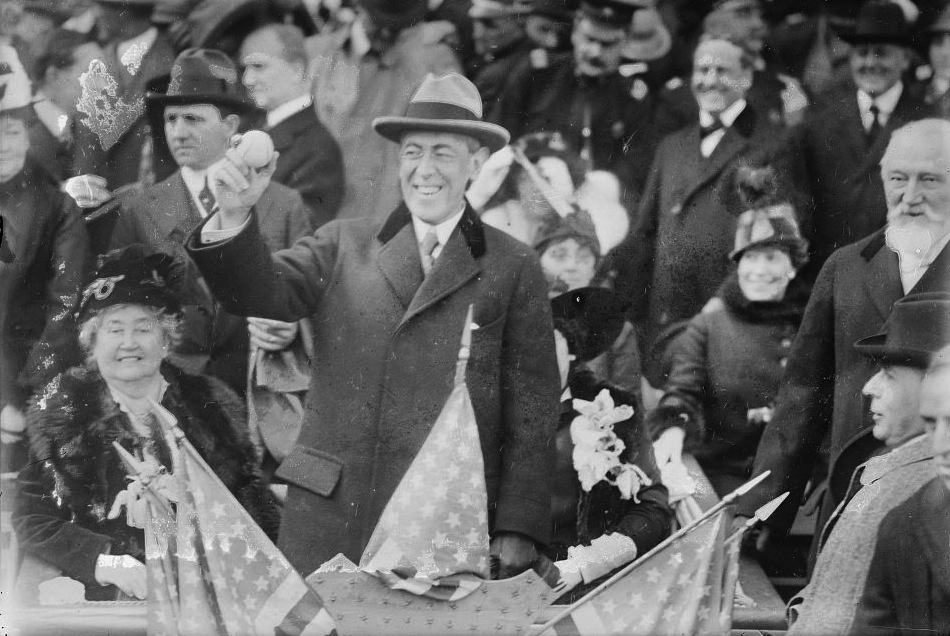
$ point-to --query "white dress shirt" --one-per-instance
(885, 102)
(195, 183)
(443, 231)
(707, 144)
(288, 109)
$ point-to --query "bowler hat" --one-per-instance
(618, 13)
(918, 327)
(590, 319)
(880, 22)
(134, 275)
(203, 76)
(450, 103)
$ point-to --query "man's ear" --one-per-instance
(478, 160)
(233, 122)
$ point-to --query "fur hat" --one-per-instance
(134, 275)
(450, 103)
(918, 327)
(578, 225)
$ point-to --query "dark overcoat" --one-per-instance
(162, 216)
(39, 288)
(311, 163)
(821, 392)
(386, 342)
(844, 172)
(908, 585)
(677, 254)
(60, 514)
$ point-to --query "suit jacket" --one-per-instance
(908, 586)
(844, 172)
(40, 286)
(310, 162)
(162, 216)
(120, 162)
(677, 255)
(831, 597)
(386, 343)
(821, 392)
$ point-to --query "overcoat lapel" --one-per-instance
(454, 267)
(883, 282)
(731, 144)
(934, 531)
(400, 264)
(174, 213)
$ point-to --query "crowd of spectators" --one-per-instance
(738, 191)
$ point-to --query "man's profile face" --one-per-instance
(916, 175)
(270, 80)
(877, 67)
(719, 79)
(895, 400)
(597, 47)
(197, 135)
(434, 171)
(935, 415)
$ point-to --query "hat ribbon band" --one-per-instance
(439, 110)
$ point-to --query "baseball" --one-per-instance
(256, 147)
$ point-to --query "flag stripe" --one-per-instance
(587, 620)
(281, 601)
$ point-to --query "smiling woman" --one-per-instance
(69, 507)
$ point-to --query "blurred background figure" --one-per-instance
(725, 368)
(937, 93)
(368, 69)
(277, 77)
(41, 268)
(34, 29)
(501, 43)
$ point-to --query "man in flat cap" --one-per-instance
(389, 300)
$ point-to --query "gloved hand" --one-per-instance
(511, 554)
(125, 572)
(668, 447)
(87, 190)
(271, 335)
(490, 177)
(12, 424)
(588, 563)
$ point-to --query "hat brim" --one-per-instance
(492, 136)
(161, 100)
(792, 244)
(875, 347)
(858, 38)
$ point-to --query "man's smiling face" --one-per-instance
(434, 171)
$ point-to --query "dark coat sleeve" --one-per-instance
(529, 388)
(682, 401)
(44, 529)
(803, 408)
(314, 168)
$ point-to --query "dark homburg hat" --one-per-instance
(450, 103)
(880, 22)
(918, 327)
(203, 76)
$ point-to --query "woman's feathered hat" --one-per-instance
(135, 275)
(768, 220)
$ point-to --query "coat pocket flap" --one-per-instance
(311, 469)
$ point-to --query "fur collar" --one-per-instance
(790, 308)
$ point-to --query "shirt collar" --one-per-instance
(886, 101)
(194, 179)
(727, 117)
(288, 109)
(443, 230)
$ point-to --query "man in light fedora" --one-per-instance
(917, 329)
(202, 108)
(389, 300)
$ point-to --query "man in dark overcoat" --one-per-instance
(201, 110)
(821, 393)
(677, 254)
(845, 133)
(389, 300)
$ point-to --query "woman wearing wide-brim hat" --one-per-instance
(43, 253)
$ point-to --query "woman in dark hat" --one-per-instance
(43, 258)
(727, 364)
(609, 503)
(68, 511)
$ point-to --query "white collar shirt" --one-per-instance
(288, 109)
(886, 102)
(443, 231)
(707, 144)
(195, 183)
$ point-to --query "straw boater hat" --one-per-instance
(918, 327)
(203, 76)
(880, 22)
(450, 103)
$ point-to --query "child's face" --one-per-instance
(568, 264)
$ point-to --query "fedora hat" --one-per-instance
(203, 76)
(590, 319)
(880, 22)
(918, 327)
(450, 103)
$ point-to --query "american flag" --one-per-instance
(681, 589)
(212, 570)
